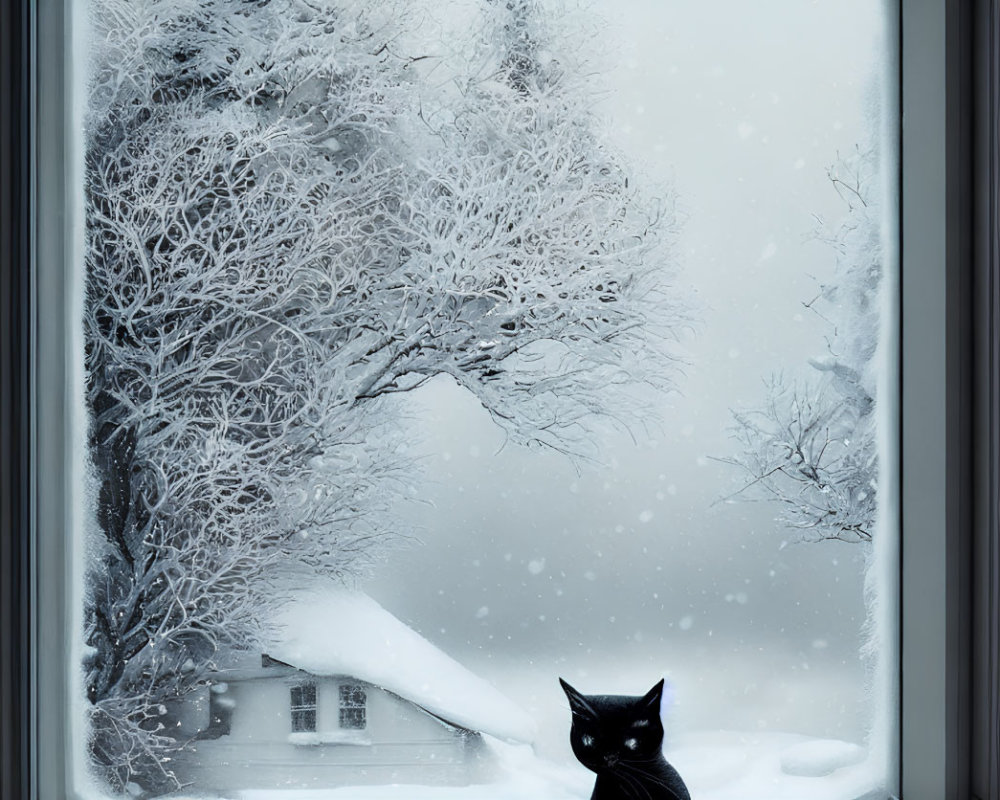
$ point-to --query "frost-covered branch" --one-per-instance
(811, 446)
(542, 276)
(238, 176)
(277, 243)
(800, 450)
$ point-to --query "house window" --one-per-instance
(304, 707)
(353, 712)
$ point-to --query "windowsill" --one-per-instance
(316, 738)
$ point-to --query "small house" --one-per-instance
(346, 695)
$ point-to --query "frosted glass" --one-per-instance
(438, 351)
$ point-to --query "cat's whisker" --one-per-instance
(642, 788)
(632, 786)
(650, 777)
(644, 773)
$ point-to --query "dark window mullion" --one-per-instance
(985, 750)
(14, 397)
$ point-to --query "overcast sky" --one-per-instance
(630, 570)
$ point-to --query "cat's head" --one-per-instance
(610, 729)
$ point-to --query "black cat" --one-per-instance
(620, 738)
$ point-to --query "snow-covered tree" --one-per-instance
(811, 445)
(239, 181)
(278, 240)
(535, 274)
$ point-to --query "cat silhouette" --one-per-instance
(620, 737)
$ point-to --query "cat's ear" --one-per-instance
(652, 697)
(577, 704)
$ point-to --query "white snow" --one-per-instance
(340, 632)
(749, 766)
(819, 757)
(769, 251)
(719, 765)
(330, 737)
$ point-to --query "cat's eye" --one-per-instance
(588, 740)
(631, 743)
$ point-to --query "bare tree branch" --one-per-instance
(811, 447)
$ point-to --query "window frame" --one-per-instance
(303, 707)
(949, 400)
(984, 680)
(15, 159)
(347, 702)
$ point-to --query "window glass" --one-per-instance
(352, 707)
(304, 707)
(443, 351)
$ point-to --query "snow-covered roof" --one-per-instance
(342, 632)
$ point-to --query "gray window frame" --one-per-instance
(948, 400)
(949, 417)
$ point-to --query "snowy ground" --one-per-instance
(715, 766)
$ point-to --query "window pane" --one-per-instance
(352, 707)
(303, 719)
(304, 707)
(437, 352)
